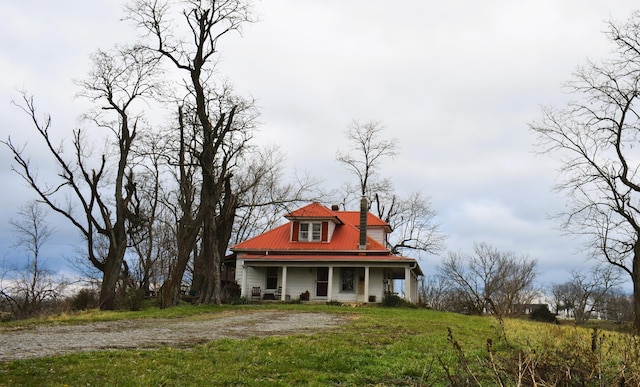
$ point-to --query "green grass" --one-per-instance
(378, 346)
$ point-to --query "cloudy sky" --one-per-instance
(455, 82)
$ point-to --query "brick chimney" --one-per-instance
(364, 210)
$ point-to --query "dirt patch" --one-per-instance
(150, 333)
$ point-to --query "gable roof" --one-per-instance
(314, 210)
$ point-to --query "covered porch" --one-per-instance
(342, 281)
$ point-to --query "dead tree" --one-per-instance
(203, 23)
(118, 79)
(596, 137)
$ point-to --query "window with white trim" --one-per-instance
(348, 279)
(272, 277)
(310, 232)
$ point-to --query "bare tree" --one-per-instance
(184, 209)
(412, 219)
(597, 138)
(367, 150)
(433, 292)
(192, 50)
(30, 285)
(584, 293)
(616, 306)
(107, 207)
(414, 226)
(264, 195)
(488, 279)
(150, 243)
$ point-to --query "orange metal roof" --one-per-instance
(314, 210)
(346, 235)
(353, 217)
(345, 238)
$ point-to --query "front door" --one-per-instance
(322, 282)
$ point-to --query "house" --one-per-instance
(323, 254)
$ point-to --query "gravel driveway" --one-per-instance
(46, 340)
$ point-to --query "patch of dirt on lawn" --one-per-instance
(150, 333)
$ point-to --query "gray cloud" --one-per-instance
(456, 82)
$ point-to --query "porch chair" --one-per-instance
(278, 294)
(255, 292)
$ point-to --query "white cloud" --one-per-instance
(456, 82)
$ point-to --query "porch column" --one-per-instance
(243, 289)
(366, 284)
(330, 284)
(407, 284)
(284, 283)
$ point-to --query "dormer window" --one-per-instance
(310, 232)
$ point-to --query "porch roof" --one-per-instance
(384, 260)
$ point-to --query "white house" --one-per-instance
(323, 254)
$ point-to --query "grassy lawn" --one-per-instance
(378, 346)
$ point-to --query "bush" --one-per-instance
(392, 300)
(543, 314)
(85, 299)
(231, 292)
(133, 299)
(239, 301)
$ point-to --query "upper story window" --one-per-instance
(310, 231)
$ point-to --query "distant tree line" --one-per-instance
(490, 281)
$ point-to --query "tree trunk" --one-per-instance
(111, 275)
(170, 289)
(635, 277)
(216, 240)
(211, 266)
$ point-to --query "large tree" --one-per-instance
(97, 194)
(597, 138)
(186, 34)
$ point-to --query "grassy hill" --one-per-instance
(377, 346)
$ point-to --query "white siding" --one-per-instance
(299, 280)
(377, 234)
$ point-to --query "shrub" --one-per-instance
(543, 314)
(231, 292)
(239, 301)
(84, 299)
(392, 300)
(133, 299)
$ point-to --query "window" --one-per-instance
(272, 278)
(310, 232)
(304, 231)
(348, 276)
(315, 233)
